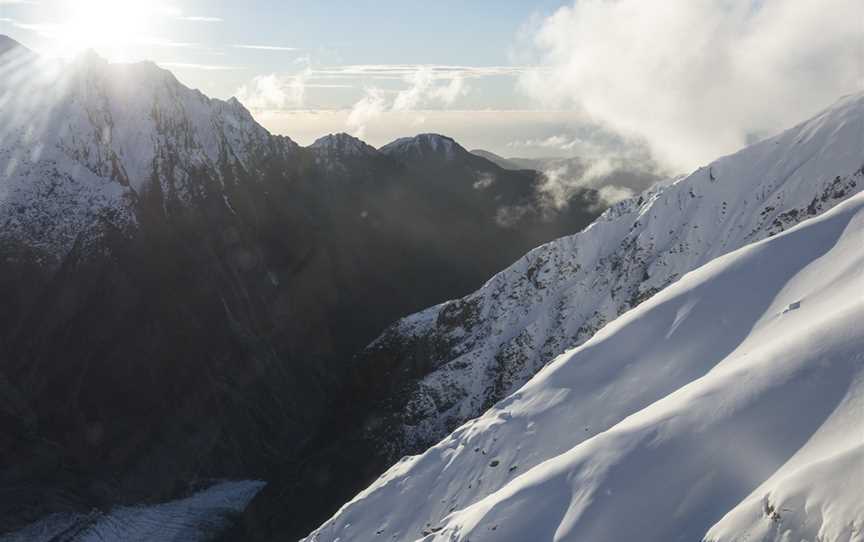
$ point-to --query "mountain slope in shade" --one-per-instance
(465, 355)
(728, 407)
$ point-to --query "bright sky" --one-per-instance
(686, 78)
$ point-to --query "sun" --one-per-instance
(110, 27)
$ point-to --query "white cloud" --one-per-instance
(484, 181)
(612, 194)
(276, 92)
(273, 91)
(424, 90)
(367, 109)
(562, 181)
(697, 78)
(559, 186)
(448, 93)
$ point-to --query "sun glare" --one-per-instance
(111, 27)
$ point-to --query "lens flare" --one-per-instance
(110, 27)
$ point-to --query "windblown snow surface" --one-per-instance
(728, 407)
(200, 517)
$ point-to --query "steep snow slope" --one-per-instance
(79, 141)
(196, 518)
(476, 350)
(738, 391)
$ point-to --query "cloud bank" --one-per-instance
(697, 78)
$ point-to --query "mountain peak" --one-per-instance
(342, 144)
(426, 146)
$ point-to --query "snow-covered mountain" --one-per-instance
(728, 407)
(434, 147)
(468, 354)
(342, 145)
(342, 153)
(80, 142)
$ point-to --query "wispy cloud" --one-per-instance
(265, 47)
(401, 71)
(201, 19)
(427, 86)
(204, 67)
(424, 90)
(267, 92)
(369, 108)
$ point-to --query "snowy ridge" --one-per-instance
(425, 146)
(196, 518)
(335, 152)
(80, 141)
(491, 342)
(685, 419)
(342, 145)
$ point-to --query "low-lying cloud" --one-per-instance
(697, 78)
(563, 181)
(274, 91)
(426, 88)
(369, 108)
